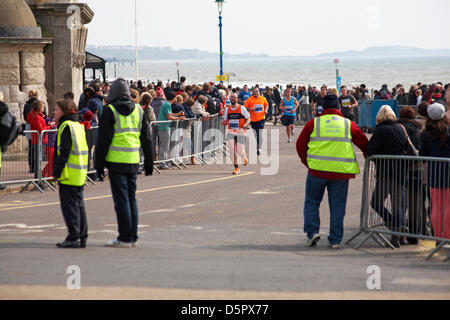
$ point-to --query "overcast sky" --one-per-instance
(278, 28)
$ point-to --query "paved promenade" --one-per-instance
(205, 234)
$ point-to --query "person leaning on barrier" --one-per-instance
(122, 132)
(435, 142)
(199, 108)
(389, 138)
(416, 191)
(166, 115)
(70, 169)
(325, 147)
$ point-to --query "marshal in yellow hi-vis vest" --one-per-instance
(330, 148)
(75, 171)
(126, 142)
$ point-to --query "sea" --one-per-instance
(373, 72)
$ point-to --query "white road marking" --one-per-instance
(24, 226)
(159, 211)
(423, 282)
(284, 234)
(263, 192)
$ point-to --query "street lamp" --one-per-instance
(220, 8)
(136, 40)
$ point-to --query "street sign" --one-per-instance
(222, 78)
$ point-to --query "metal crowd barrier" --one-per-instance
(20, 162)
(30, 159)
(178, 142)
(405, 197)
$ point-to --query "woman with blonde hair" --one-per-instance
(389, 138)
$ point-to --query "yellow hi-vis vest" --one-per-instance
(330, 148)
(75, 171)
(126, 142)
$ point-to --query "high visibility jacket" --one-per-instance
(126, 142)
(330, 148)
(75, 171)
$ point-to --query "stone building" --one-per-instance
(42, 47)
(63, 21)
(22, 59)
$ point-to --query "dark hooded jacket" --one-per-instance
(125, 107)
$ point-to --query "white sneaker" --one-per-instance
(289, 140)
(118, 244)
(313, 241)
(334, 246)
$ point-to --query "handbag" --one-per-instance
(416, 152)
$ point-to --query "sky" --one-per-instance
(276, 28)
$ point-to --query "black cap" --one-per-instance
(331, 102)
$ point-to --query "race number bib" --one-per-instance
(258, 108)
(346, 103)
(234, 124)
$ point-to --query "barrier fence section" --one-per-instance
(30, 159)
(181, 142)
(20, 162)
(405, 197)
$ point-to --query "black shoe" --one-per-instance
(2, 187)
(413, 241)
(83, 244)
(69, 244)
(395, 240)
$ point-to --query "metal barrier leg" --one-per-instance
(176, 164)
(386, 243)
(182, 163)
(374, 238)
(439, 247)
(156, 169)
(365, 239)
(34, 184)
(448, 258)
(353, 237)
(48, 185)
(201, 159)
(90, 180)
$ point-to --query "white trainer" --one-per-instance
(313, 241)
(118, 244)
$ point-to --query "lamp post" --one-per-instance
(220, 8)
(136, 40)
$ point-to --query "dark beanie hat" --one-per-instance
(119, 89)
(94, 105)
(330, 102)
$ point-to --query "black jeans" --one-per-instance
(123, 188)
(258, 127)
(74, 213)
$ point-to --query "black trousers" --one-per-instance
(74, 213)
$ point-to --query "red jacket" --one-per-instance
(37, 122)
(358, 138)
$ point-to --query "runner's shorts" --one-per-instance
(287, 120)
(241, 139)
